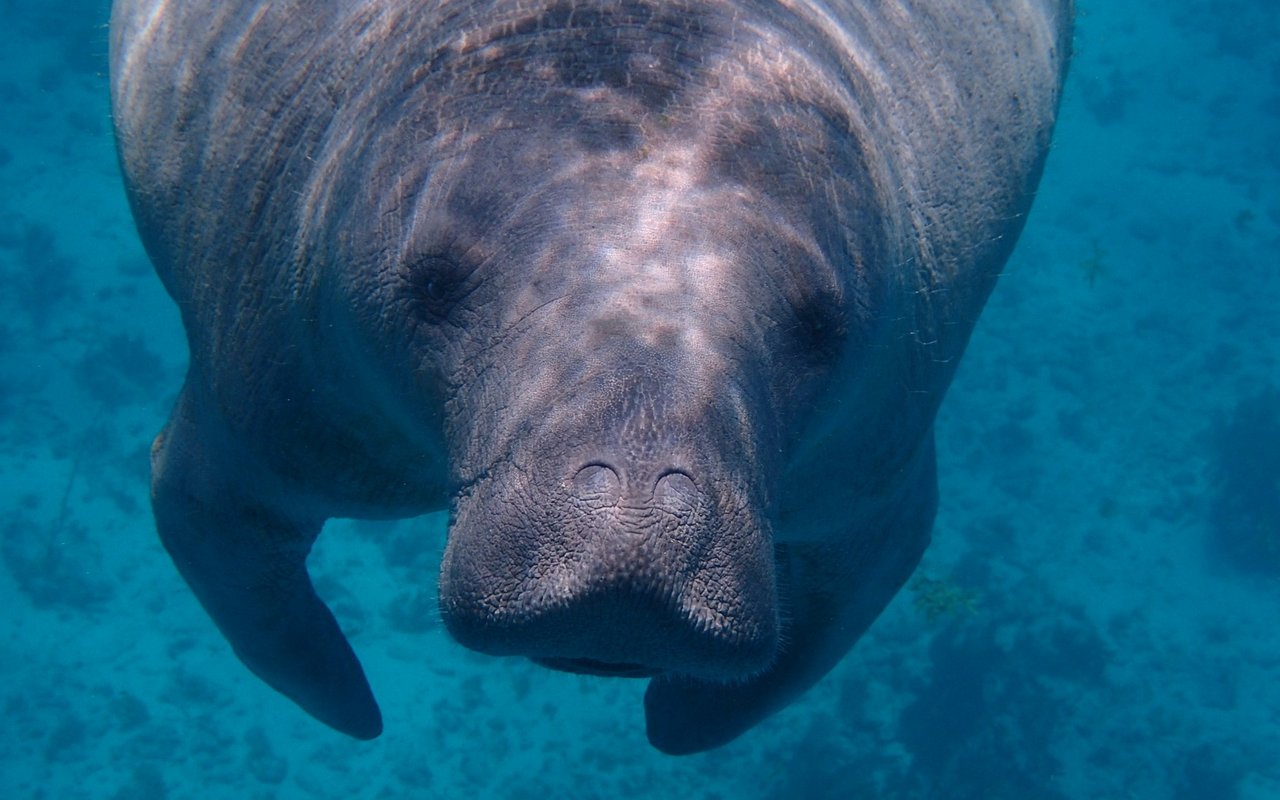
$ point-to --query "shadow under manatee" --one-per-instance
(984, 725)
(1244, 516)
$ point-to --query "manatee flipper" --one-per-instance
(834, 591)
(245, 560)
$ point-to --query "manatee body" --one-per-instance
(657, 298)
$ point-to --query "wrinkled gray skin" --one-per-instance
(657, 298)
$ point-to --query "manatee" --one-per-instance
(657, 299)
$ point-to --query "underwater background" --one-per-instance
(1098, 617)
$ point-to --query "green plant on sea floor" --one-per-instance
(939, 598)
(1092, 266)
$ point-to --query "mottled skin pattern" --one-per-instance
(658, 298)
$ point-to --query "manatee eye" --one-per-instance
(821, 329)
(435, 282)
(436, 288)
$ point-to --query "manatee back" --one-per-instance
(966, 97)
(218, 110)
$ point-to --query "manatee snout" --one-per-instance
(634, 554)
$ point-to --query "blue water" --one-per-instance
(1110, 480)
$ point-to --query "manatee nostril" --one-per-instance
(595, 480)
(676, 489)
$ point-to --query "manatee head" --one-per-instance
(609, 268)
